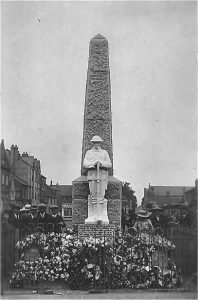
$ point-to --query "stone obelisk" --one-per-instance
(97, 113)
(97, 121)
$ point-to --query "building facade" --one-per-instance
(163, 195)
(21, 176)
(5, 179)
(64, 201)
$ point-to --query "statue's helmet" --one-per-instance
(96, 139)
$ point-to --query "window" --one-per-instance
(7, 180)
(67, 211)
(2, 179)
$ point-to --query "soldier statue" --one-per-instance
(97, 163)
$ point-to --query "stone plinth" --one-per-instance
(80, 192)
(101, 232)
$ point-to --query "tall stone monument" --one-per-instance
(97, 121)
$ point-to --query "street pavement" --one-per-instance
(112, 294)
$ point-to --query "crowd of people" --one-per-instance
(33, 217)
(150, 220)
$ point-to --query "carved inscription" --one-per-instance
(103, 232)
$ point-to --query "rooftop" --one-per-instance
(171, 190)
(64, 189)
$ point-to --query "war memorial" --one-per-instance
(95, 255)
(98, 125)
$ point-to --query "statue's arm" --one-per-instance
(106, 162)
(88, 162)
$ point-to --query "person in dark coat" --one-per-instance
(56, 219)
(43, 219)
(28, 207)
(130, 218)
(14, 216)
(23, 217)
(32, 218)
(157, 218)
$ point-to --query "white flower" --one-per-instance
(58, 258)
(89, 266)
(74, 251)
(147, 268)
(89, 275)
(62, 276)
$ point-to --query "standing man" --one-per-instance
(97, 162)
(14, 217)
(28, 207)
(56, 219)
(43, 219)
(23, 218)
(32, 219)
(157, 218)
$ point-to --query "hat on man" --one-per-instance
(28, 206)
(53, 206)
(143, 214)
(33, 207)
(96, 138)
(42, 205)
(156, 208)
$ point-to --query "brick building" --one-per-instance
(5, 179)
(29, 168)
(190, 196)
(163, 195)
(51, 196)
(42, 189)
(20, 177)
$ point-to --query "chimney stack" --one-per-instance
(14, 154)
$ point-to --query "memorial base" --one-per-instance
(96, 231)
(80, 194)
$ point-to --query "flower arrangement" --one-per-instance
(125, 262)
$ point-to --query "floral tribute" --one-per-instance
(125, 262)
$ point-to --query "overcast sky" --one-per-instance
(152, 48)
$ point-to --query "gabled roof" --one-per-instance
(191, 190)
(49, 191)
(65, 190)
(172, 190)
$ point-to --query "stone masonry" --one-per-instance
(97, 114)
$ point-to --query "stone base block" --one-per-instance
(80, 192)
(102, 232)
